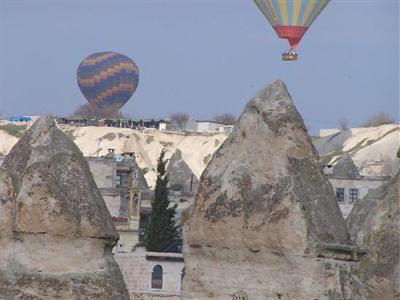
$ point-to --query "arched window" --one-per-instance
(157, 277)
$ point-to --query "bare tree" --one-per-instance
(226, 118)
(181, 118)
(378, 119)
(343, 124)
(87, 111)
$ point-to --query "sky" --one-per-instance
(203, 57)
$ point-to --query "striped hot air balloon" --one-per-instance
(107, 79)
(291, 18)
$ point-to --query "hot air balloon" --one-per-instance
(107, 79)
(291, 19)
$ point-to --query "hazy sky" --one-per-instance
(201, 56)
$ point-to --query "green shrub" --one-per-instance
(14, 130)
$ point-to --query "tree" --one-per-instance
(343, 124)
(226, 118)
(161, 230)
(181, 118)
(378, 119)
(87, 111)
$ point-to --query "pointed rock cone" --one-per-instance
(346, 168)
(180, 176)
(374, 223)
(265, 221)
(61, 231)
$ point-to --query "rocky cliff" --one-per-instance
(374, 223)
(265, 222)
(56, 233)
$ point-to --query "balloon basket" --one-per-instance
(289, 56)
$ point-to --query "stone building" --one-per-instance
(152, 275)
(123, 187)
(348, 184)
(148, 275)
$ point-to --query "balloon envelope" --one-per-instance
(107, 79)
(291, 18)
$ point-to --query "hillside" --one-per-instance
(196, 148)
(372, 149)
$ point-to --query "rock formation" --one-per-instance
(265, 222)
(180, 175)
(56, 233)
(345, 168)
(374, 223)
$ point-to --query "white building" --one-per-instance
(163, 126)
(208, 126)
(226, 128)
(348, 185)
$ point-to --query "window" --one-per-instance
(340, 194)
(353, 195)
(118, 180)
(157, 277)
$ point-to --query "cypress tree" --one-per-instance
(161, 230)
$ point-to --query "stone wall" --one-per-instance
(128, 236)
(103, 171)
(136, 268)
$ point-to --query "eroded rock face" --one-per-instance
(345, 168)
(180, 176)
(374, 223)
(265, 222)
(54, 224)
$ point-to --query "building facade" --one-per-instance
(123, 187)
(152, 275)
(348, 185)
(121, 182)
(350, 190)
(208, 126)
